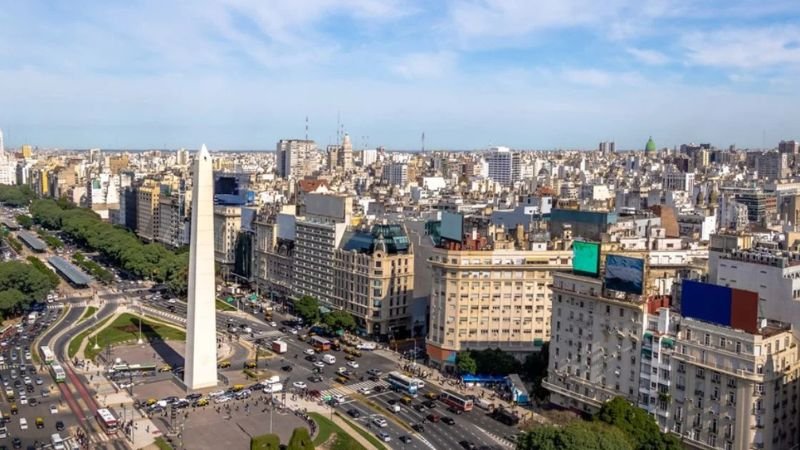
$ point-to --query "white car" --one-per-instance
(319, 364)
(172, 300)
(273, 324)
(223, 399)
(23, 423)
(23, 400)
(299, 385)
(352, 364)
(341, 370)
(53, 409)
(293, 331)
(380, 421)
(309, 351)
(338, 398)
(216, 394)
(365, 391)
(384, 436)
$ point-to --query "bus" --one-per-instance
(107, 420)
(320, 344)
(58, 372)
(119, 370)
(47, 355)
(456, 401)
(402, 382)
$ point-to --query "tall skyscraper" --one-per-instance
(346, 154)
(504, 165)
(292, 157)
(201, 338)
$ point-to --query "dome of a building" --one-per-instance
(651, 146)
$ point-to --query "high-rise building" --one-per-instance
(227, 223)
(674, 180)
(292, 157)
(182, 157)
(395, 174)
(201, 340)
(147, 196)
(173, 218)
(340, 156)
(606, 147)
(772, 165)
(504, 165)
(27, 151)
(274, 251)
(791, 147)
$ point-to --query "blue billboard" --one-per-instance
(452, 226)
(706, 302)
(625, 274)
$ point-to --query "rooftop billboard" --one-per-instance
(452, 226)
(624, 274)
(721, 305)
(586, 258)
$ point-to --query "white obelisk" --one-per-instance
(200, 370)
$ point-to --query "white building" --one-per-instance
(674, 180)
(227, 223)
(503, 165)
(395, 174)
(292, 157)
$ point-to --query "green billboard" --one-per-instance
(586, 258)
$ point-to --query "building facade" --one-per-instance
(147, 202)
(227, 223)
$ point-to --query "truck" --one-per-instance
(32, 317)
(329, 359)
(279, 347)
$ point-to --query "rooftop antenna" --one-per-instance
(423, 142)
(338, 126)
(306, 128)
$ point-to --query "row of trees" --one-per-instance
(16, 196)
(497, 362)
(307, 308)
(617, 426)
(118, 246)
(22, 284)
(300, 440)
(96, 270)
(24, 221)
(41, 267)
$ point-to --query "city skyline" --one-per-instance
(242, 75)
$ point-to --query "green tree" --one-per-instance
(41, 267)
(639, 426)
(15, 196)
(265, 442)
(534, 369)
(300, 440)
(339, 320)
(465, 363)
(10, 300)
(307, 307)
(575, 436)
(496, 362)
(25, 221)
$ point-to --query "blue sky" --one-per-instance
(531, 74)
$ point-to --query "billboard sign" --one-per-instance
(452, 226)
(625, 274)
(586, 258)
(721, 305)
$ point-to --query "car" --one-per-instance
(319, 364)
(194, 396)
(23, 423)
(200, 402)
(405, 439)
(300, 385)
(429, 404)
(341, 370)
(172, 300)
(338, 398)
(216, 394)
(309, 351)
(384, 436)
(419, 407)
(352, 364)
(53, 409)
(377, 379)
(45, 393)
(391, 401)
(448, 420)
(273, 324)
(365, 390)
(380, 421)
(181, 404)
(223, 399)
(380, 388)
(293, 331)
(39, 423)
(467, 445)
(16, 442)
(354, 413)
(23, 400)
(287, 368)
(433, 418)
(315, 378)
(418, 427)
(311, 358)
(32, 401)
(59, 426)
(455, 411)
(39, 381)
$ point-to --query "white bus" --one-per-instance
(107, 420)
(407, 384)
(47, 355)
(58, 373)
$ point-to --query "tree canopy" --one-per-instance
(16, 196)
(300, 440)
(493, 361)
(637, 425)
(534, 369)
(339, 320)
(265, 442)
(575, 436)
(21, 284)
(466, 363)
(25, 221)
(118, 246)
(307, 307)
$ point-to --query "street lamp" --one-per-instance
(95, 346)
(140, 341)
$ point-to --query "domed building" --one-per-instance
(650, 147)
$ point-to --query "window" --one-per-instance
(700, 373)
(738, 347)
(722, 342)
(707, 339)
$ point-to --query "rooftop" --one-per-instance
(69, 270)
(32, 241)
(391, 238)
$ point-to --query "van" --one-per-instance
(329, 359)
(483, 404)
(406, 400)
(57, 442)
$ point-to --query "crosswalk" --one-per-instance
(351, 388)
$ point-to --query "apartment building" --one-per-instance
(274, 252)
(503, 165)
(173, 219)
(374, 279)
(227, 223)
(292, 157)
(490, 298)
(147, 202)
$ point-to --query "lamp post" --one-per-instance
(95, 346)
(141, 312)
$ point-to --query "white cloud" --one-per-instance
(599, 78)
(647, 56)
(745, 48)
(425, 65)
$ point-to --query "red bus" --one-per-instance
(456, 401)
(107, 420)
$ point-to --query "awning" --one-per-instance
(667, 342)
(538, 342)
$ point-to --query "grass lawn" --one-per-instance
(327, 428)
(162, 444)
(75, 343)
(224, 306)
(89, 313)
(126, 328)
(368, 436)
